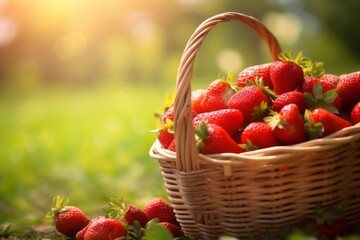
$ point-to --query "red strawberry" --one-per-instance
(253, 72)
(258, 135)
(68, 220)
(355, 114)
(321, 93)
(172, 146)
(175, 230)
(214, 139)
(118, 209)
(329, 122)
(197, 96)
(229, 119)
(133, 214)
(81, 234)
(105, 228)
(165, 137)
(251, 101)
(286, 75)
(158, 208)
(168, 114)
(217, 95)
(332, 78)
(288, 124)
(294, 97)
(328, 223)
(349, 89)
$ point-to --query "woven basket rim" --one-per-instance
(342, 136)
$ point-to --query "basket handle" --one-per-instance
(186, 154)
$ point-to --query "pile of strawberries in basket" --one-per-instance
(284, 102)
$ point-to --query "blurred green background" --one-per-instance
(80, 80)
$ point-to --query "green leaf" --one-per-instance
(6, 230)
(156, 231)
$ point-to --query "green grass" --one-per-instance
(88, 145)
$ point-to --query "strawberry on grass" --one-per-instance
(68, 220)
(103, 228)
(158, 208)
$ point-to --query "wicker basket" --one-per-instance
(238, 194)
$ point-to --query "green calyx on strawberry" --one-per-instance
(287, 73)
(212, 139)
(313, 69)
(168, 103)
(118, 209)
(313, 129)
(266, 89)
(288, 124)
(320, 123)
(320, 99)
(68, 220)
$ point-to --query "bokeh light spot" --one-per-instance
(70, 45)
(229, 60)
(286, 27)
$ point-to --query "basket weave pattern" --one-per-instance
(235, 194)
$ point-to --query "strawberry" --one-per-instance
(321, 122)
(133, 214)
(321, 93)
(328, 223)
(251, 101)
(355, 114)
(105, 228)
(288, 124)
(252, 73)
(118, 209)
(197, 96)
(218, 93)
(165, 137)
(286, 75)
(229, 119)
(258, 135)
(172, 146)
(158, 208)
(349, 88)
(294, 97)
(214, 139)
(332, 78)
(168, 114)
(68, 220)
(175, 230)
(81, 234)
